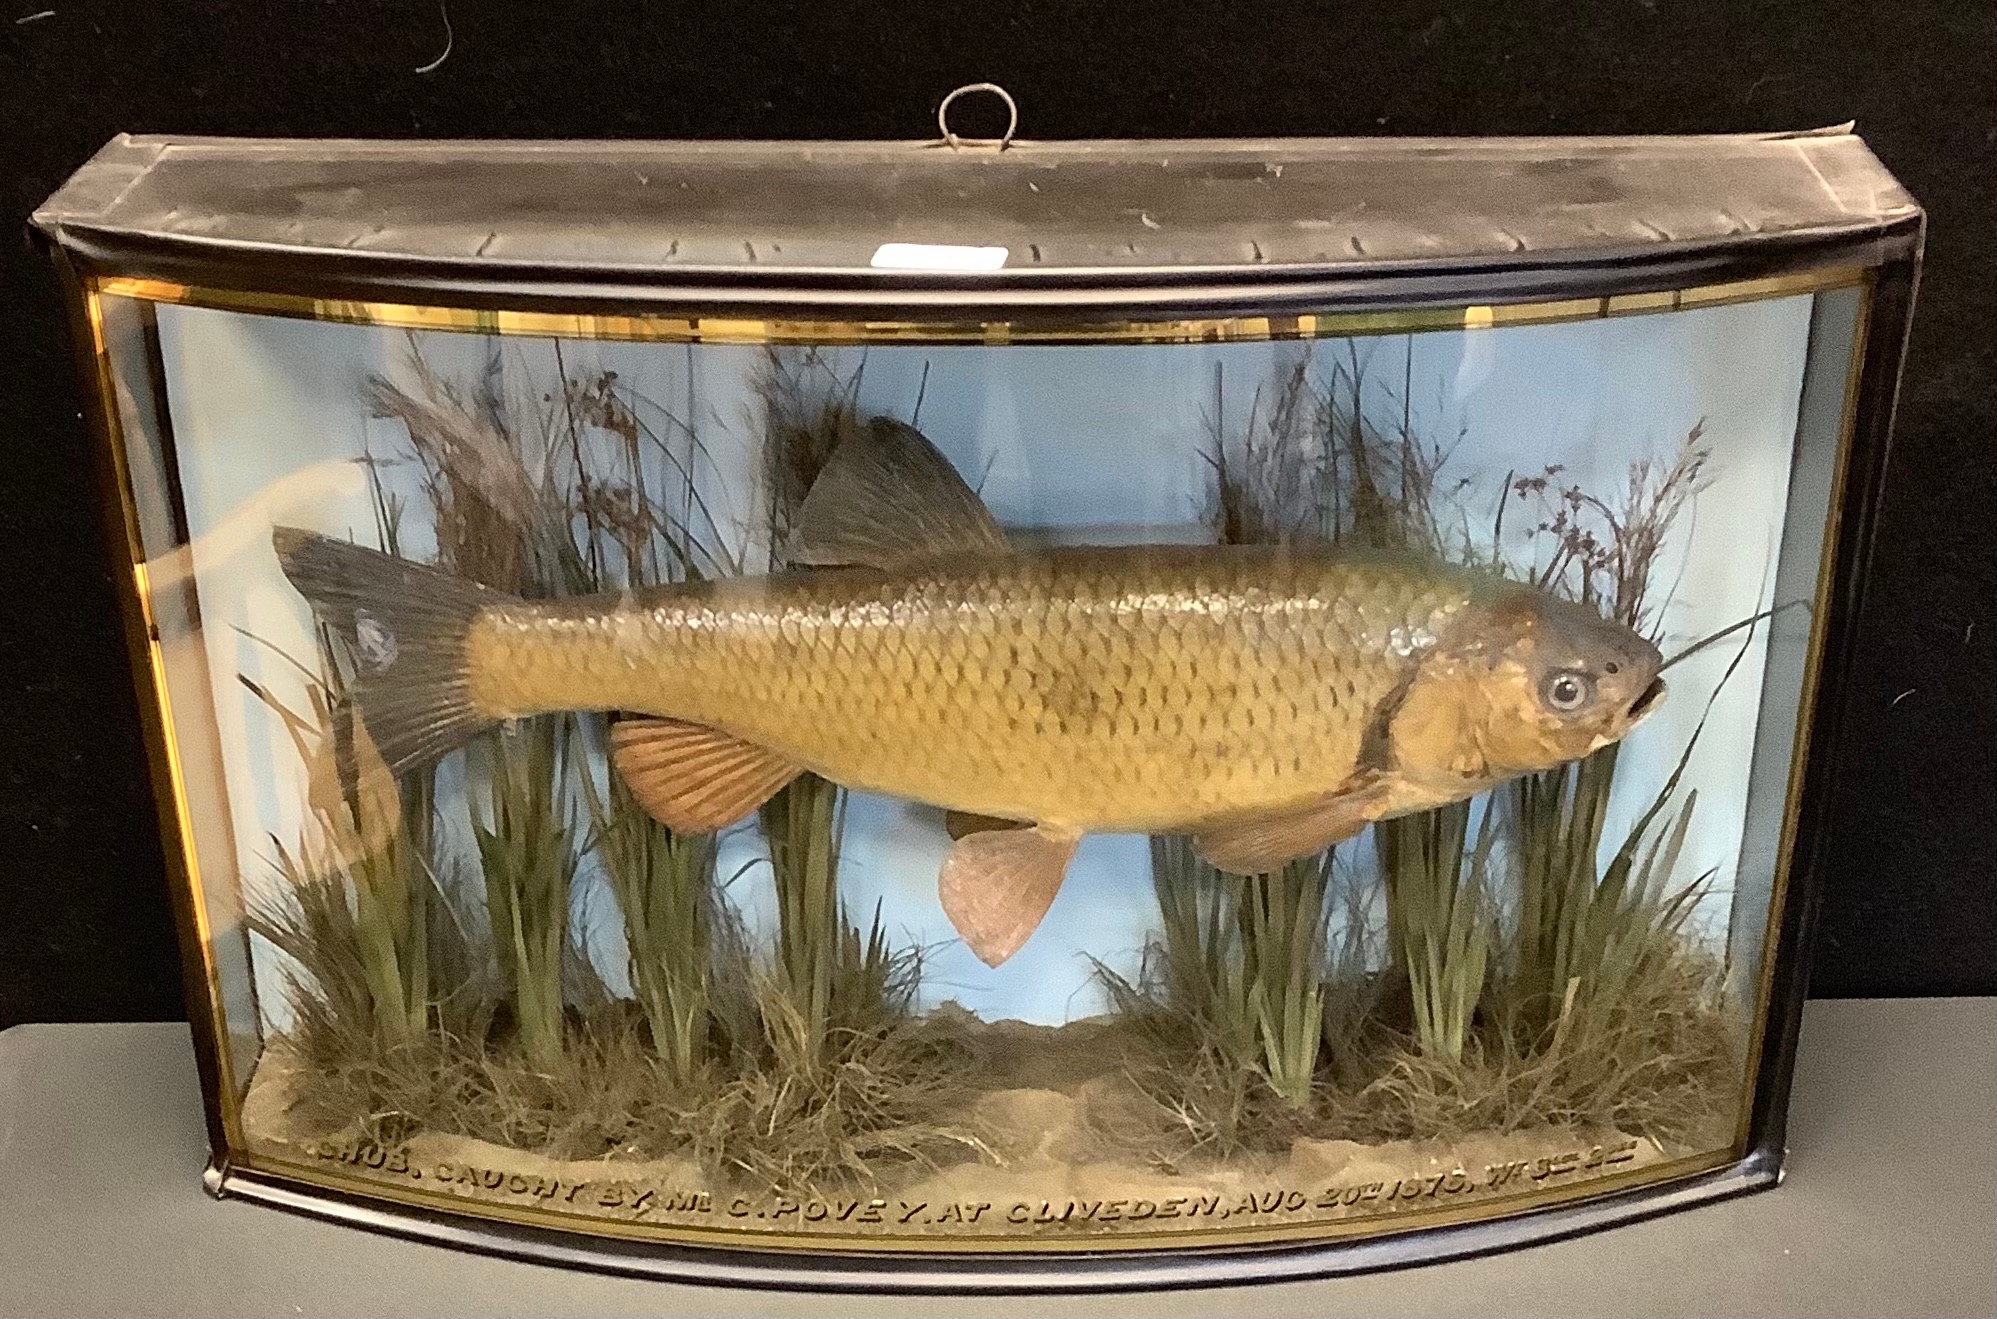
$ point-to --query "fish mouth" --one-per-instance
(1647, 700)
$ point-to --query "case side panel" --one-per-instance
(1824, 416)
(125, 521)
(1855, 509)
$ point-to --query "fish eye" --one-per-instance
(1567, 691)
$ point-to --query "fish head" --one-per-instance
(1530, 682)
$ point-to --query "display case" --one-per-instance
(991, 715)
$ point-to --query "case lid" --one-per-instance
(1034, 215)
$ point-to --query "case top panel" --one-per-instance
(1116, 212)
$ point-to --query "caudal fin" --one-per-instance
(405, 625)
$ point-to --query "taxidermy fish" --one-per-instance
(1268, 701)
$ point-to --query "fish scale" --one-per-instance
(1100, 689)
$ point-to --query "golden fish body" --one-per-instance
(1270, 701)
(1097, 689)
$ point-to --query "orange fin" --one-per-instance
(885, 497)
(962, 824)
(695, 779)
(1258, 844)
(998, 884)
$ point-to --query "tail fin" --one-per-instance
(405, 625)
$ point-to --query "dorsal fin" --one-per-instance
(886, 497)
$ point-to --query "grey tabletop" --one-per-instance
(1890, 1208)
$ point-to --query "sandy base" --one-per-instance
(1046, 1177)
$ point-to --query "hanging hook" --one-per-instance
(953, 141)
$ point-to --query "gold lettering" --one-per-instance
(833, 1214)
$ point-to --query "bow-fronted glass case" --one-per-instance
(1059, 716)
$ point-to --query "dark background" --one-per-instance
(1910, 908)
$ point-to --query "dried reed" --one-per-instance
(375, 945)
(664, 884)
(1577, 921)
(1245, 958)
(836, 978)
(1439, 917)
(1247, 982)
(492, 472)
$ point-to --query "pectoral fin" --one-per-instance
(692, 778)
(1258, 844)
(998, 884)
(885, 497)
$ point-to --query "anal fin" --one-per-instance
(692, 778)
(1258, 844)
(998, 884)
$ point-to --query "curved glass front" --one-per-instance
(847, 787)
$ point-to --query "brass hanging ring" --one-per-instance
(954, 141)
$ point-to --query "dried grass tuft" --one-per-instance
(1246, 1002)
(846, 1106)
(1660, 1059)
